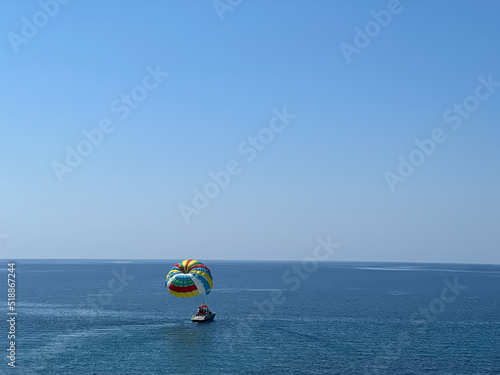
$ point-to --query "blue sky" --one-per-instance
(324, 174)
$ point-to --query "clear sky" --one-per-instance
(335, 93)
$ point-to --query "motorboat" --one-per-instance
(203, 314)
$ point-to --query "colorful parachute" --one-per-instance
(188, 279)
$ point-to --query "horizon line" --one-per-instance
(244, 260)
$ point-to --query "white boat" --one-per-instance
(203, 314)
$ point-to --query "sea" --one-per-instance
(116, 317)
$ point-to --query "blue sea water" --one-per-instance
(111, 317)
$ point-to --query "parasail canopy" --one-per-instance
(189, 278)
